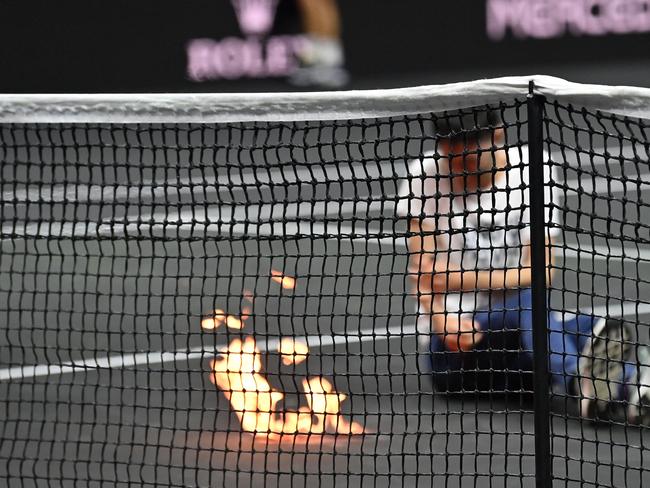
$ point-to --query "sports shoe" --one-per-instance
(323, 76)
(322, 64)
(601, 370)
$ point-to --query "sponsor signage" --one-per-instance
(242, 45)
(544, 19)
(254, 55)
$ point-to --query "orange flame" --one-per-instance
(325, 403)
(220, 318)
(251, 396)
(237, 374)
(287, 282)
(247, 310)
(292, 351)
(246, 313)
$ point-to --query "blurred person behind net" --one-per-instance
(468, 209)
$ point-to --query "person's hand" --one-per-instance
(420, 270)
(461, 334)
(430, 284)
(441, 281)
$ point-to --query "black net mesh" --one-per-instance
(332, 303)
(601, 266)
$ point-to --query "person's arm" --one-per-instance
(494, 279)
(429, 271)
(425, 263)
(422, 252)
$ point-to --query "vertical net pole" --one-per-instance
(538, 284)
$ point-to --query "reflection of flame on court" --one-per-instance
(237, 373)
(287, 282)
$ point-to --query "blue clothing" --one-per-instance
(508, 341)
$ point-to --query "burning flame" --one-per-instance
(238, 374)
(246, 312)
(325, 403)
(287, 282)
(250, 395)
(292, 351)
(219, 318)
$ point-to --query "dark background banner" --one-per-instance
(141, 45)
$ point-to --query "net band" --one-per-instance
(288, 107)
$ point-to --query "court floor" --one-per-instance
(112, 386)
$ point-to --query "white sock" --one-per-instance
(326, 51)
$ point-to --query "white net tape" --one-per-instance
(274, 107)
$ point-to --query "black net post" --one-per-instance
(539, 309)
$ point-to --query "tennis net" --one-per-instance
(332, 289)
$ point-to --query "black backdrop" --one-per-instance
(139, 45)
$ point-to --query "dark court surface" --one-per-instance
(130, 417)
(167, 425)
(105, 368)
